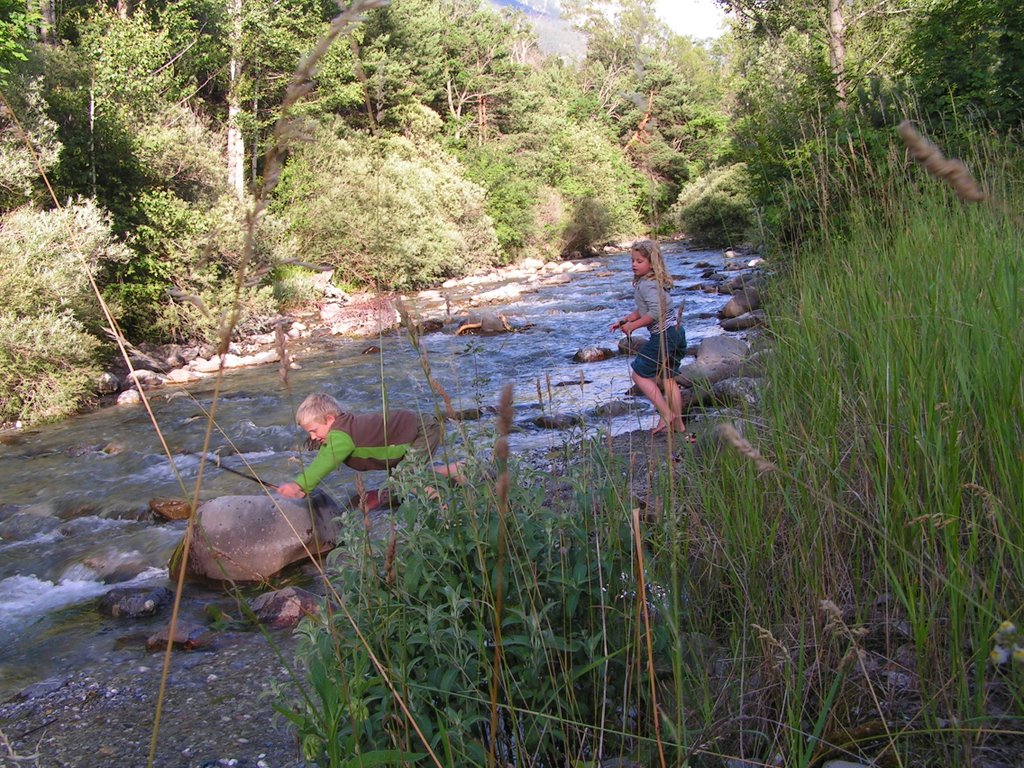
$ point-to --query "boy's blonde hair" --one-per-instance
(316, 408)
(652, 251)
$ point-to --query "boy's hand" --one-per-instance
(291, 491)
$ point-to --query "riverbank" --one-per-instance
(217, 709)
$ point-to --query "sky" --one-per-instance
(694, 18)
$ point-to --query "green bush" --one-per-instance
(716, 209)
(426, 609)
(49, 341)
(20, 163)
(598, 192)
(47, 366)
(47, 258)
(294, 286)
(392, 212)
(182, 280)
(511, 196)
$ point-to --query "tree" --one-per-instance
(967, 56)
(850, 35)
(659, 92)
(15, 23)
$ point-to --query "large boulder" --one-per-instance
(743, 300)
(718, 358)
(251, 538)
(745, 321)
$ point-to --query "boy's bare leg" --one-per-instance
(452, 471)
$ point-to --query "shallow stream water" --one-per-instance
(74, 496)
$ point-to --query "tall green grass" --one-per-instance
(841, 598)
(895, 413)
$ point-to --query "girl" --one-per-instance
(658, 359)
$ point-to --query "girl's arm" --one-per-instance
(631, 322)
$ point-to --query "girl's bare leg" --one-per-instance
(674, 399)
(650, 388)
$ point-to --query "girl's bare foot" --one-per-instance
(678, 428)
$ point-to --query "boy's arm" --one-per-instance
(337, 447)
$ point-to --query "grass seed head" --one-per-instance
(953, 172)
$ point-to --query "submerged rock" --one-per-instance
(135, 602)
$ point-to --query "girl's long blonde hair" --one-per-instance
(652, 251)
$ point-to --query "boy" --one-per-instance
(363, 442)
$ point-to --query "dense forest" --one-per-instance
(431, 139)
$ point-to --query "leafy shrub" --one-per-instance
(425, 608)
(52, 319)
(182, 281)
(20, 181)
(47, 258)
(183, 153)
(294, 286)
(600, 192)
(716, 209)
(511, 197)
(47, 365)
(391, 212)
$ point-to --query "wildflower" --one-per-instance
(999, 655)
(1006, 630)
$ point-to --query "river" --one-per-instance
(74, 496)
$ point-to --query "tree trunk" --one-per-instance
(47, 21)
(236, 142)
(837, 47)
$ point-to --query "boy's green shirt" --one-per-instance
(365, 442)
(337, 447)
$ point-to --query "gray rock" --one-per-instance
(718, 358)
(745, 321)
(630, 345)
(42, 688)
(252, 538)
(612, 409)
(187, 636)
(129, 397)
(284, 607)
(738, 392)
(593, 355)
(744, 300)
(107, 384)
(144, 377)
(557, 421)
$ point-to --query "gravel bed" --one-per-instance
(217, 710)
